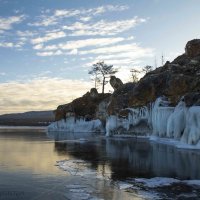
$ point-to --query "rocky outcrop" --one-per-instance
(192, 48)
(165, 102)
(120, 98)
(116, 83)
(173, 80)
(84, 106)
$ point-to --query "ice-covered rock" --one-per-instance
(71, 124)
(159, 116)
(176, 121)
(180, 122)
(191, 134)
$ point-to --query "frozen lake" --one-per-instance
(34, 165)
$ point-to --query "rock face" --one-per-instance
(192, 48)
(115, 82)
(120, 98)
(94, 93)
(84, 106)
(173, 80)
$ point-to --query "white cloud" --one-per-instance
(49, 18)
(45, 53)
(45, 21)
(26, 33)
(48, 37)
(85, 19)
(6, 44)
(74, 45)
(91, 11)
(103, 27)
(7, 23)
(38, 46)
(37, 94)
(124, 48)
(50, 53)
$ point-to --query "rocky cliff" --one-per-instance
(154, 104)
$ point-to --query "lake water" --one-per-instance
(37, 165)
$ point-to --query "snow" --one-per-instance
(71, 124)
(192, 182)
(157, 181)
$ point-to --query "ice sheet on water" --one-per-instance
(78, 191)
(76, 167)
(157, 181)
(192, 182)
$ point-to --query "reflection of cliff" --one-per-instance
(87, 151)
(134, 158)
(144, 159)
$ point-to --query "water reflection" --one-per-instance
(129, 158)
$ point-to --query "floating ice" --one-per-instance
(157, 181)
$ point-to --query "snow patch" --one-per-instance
(157, 181)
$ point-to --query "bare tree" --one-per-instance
(134, 75)
(95, 77)
(102, 71)
(147, 69)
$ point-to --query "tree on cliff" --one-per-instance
(147, 69)
(95, 77)
(102, 71)
(134, 75)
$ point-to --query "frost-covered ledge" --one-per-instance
(180, 122)
(72, 124)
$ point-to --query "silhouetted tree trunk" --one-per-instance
(104, 78)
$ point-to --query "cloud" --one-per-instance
(39, 94)
(103, 27)
(71, 47)
(6, 44)
(52, 18)
(26, 33)
(92, 11)
(48, 37)
(131, 48)
(7, 23)
(49, 53)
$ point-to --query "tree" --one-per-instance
(147, 69)
(102, 71)
(95, 77)
(134, 75)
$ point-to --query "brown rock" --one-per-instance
(115, 82)
(94, 93)
(84, 106)
(192, 48)
(192, 98)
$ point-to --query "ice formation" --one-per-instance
(71, 124)
(135, 116)
(178, 122)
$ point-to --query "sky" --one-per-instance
(47, 47)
